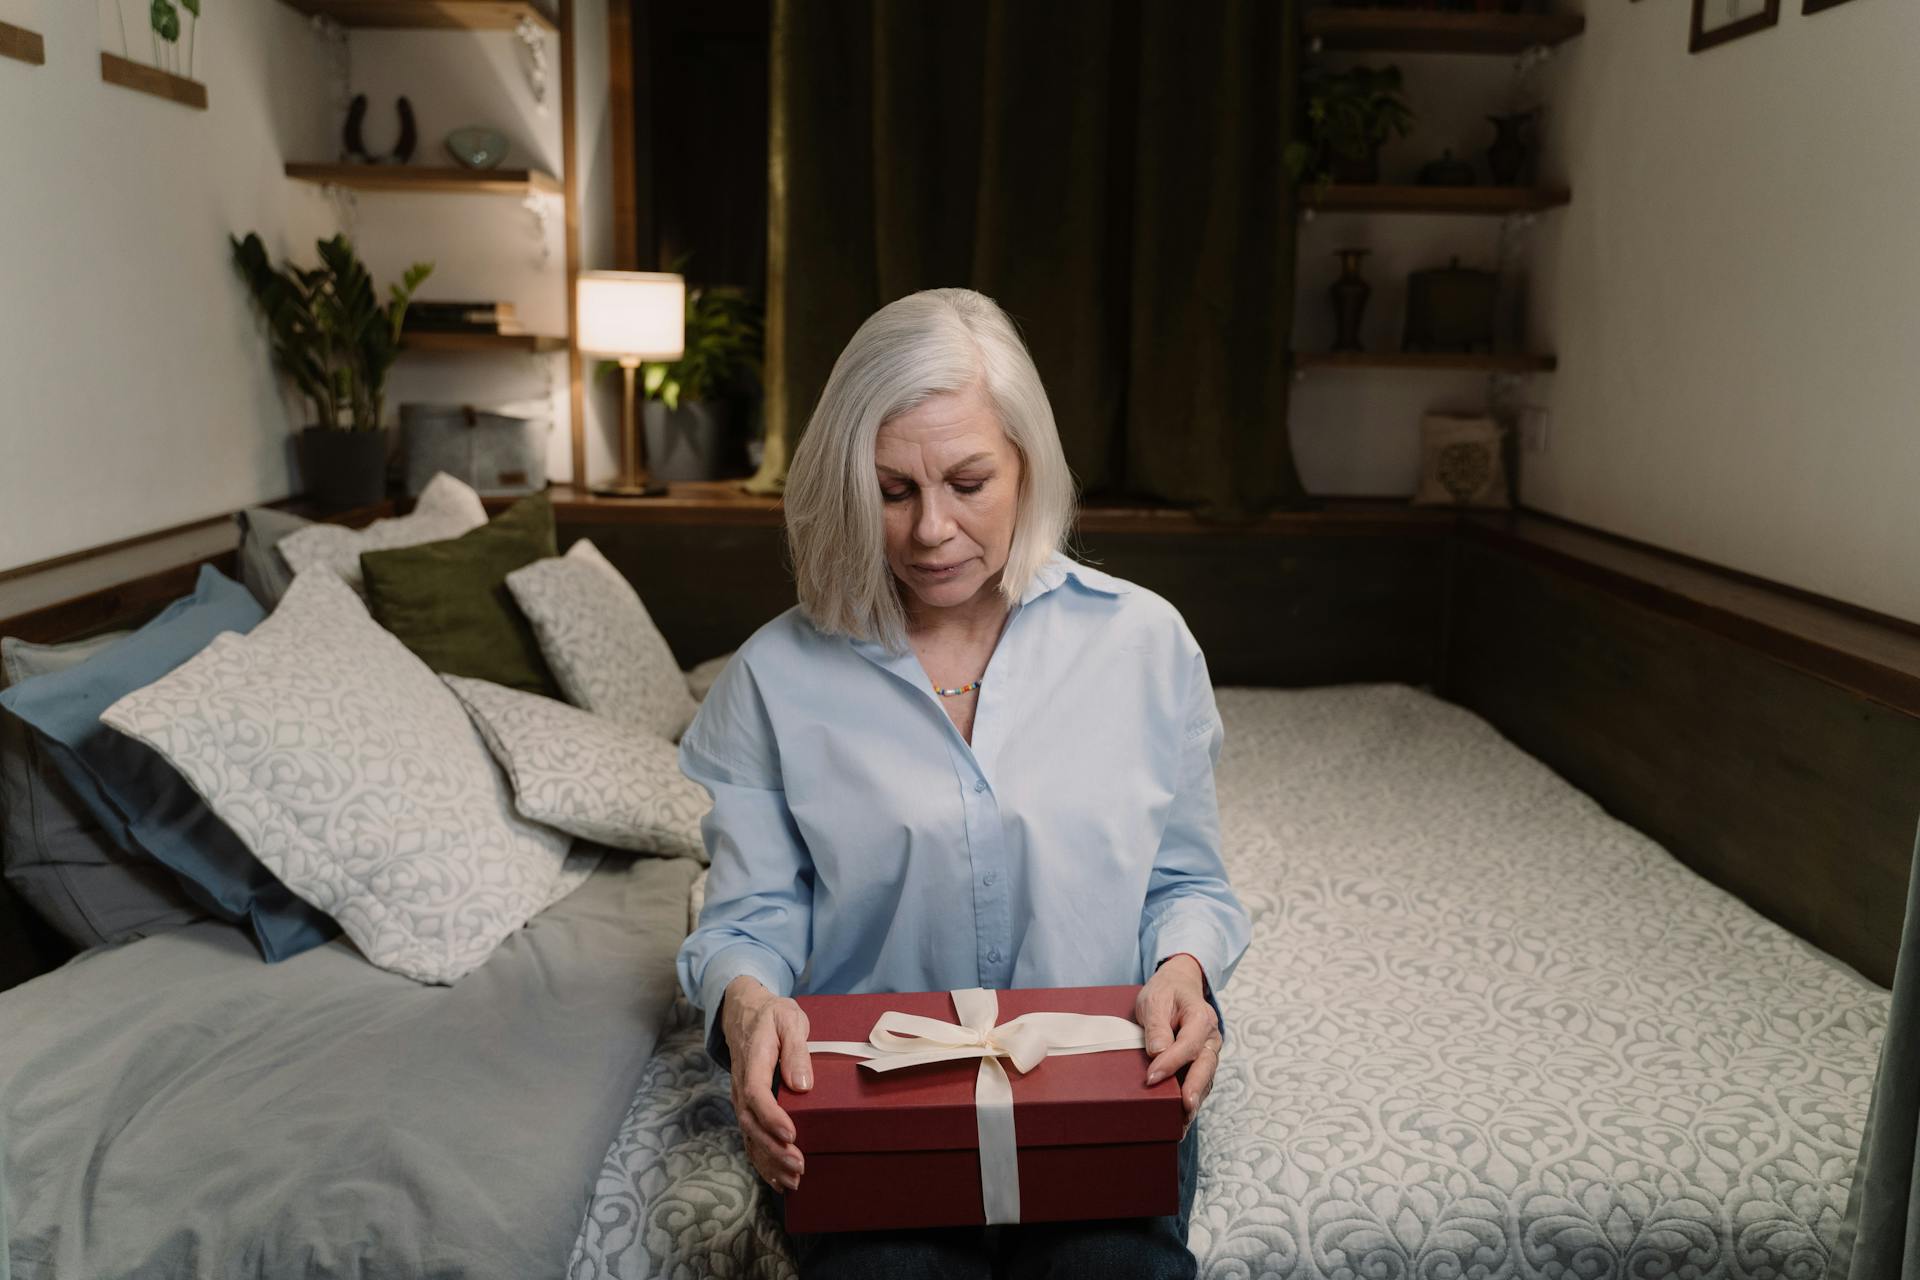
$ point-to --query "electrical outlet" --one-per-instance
(1533, 428)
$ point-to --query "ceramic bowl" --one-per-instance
(477, 147)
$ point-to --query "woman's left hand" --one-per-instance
(1181, 1029)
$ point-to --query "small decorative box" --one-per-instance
(975, 1107)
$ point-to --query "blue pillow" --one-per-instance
(143, 804)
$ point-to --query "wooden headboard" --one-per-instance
(1769, 739)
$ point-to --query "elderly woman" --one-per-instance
(963, 760)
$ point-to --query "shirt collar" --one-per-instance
(1055, 570)
(1058, 568)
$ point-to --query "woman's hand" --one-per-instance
(763, 1029)
(1181, 1029)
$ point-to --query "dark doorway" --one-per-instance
(700, 138)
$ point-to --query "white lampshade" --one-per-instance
(632, 314)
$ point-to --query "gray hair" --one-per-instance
(935, 342)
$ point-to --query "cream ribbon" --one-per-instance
(909, 1040)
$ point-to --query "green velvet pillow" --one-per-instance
(448, 601)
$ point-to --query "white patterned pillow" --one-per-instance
(446, 509)
(700, 678)
(351, 772)
(600, 642)
(585, 774)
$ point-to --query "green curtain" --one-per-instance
(1880, 1234)
(1108, 171)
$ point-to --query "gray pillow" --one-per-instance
(262, 569)
(55, 855)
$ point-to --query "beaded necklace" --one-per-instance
(954, 693)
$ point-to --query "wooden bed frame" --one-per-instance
(1768, 738)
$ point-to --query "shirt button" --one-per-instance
(991, 877)
(980, 785)
(993, 957)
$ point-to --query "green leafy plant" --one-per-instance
(164, 17)
(328, 330)
(1349, 114)
(722, 348)
(721, 352)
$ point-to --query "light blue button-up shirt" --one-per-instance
(859, 843)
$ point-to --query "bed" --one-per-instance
(174, 1107)
(1483, 1030)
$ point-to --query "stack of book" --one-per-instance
(461, 317)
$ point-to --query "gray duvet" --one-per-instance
(175, 1107)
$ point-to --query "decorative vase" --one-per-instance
(1349, 295)
(343, 468)
(1511, 155)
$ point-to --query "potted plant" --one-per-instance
(685, 418)
(1350, 114)
(336, 340)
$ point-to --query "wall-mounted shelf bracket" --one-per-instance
(533, 46)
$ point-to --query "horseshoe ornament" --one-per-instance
(356, 145)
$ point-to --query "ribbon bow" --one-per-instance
(910, 1040)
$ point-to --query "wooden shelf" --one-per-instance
(142, 78)
(1419, 31)
(428, 15)
(1449, 361)
(436, 179)
(23, 45)
(1380, 198)
(420, 340)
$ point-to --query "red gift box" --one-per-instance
(901, 1148)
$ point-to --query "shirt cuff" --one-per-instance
(1197, 941)
(743, 959)
(1171, 948)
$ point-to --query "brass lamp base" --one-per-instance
(617, 488)
(634, 481)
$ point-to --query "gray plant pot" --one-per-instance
(343, 468)
(694, 442)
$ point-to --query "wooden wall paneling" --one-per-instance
(708, 587)
(1795, 794)
(1297, 609)
(1268, 609)
(127, 604)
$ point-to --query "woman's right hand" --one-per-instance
(763, 1029)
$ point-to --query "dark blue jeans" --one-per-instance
(1119, 1248)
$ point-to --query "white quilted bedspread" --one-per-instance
(1483, 1030)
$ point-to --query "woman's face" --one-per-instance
(950, 488)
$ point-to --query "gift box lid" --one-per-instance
(1067, 1100)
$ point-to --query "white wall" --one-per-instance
(137, 389)
(1358, 431)
(490, 247)
(1734, 294)
(483, 247)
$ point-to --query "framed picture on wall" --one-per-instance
(1815, 6)
(1718, 21)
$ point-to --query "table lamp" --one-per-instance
(631, 316)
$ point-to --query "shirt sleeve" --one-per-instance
(1190, 906)
(758, 917)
